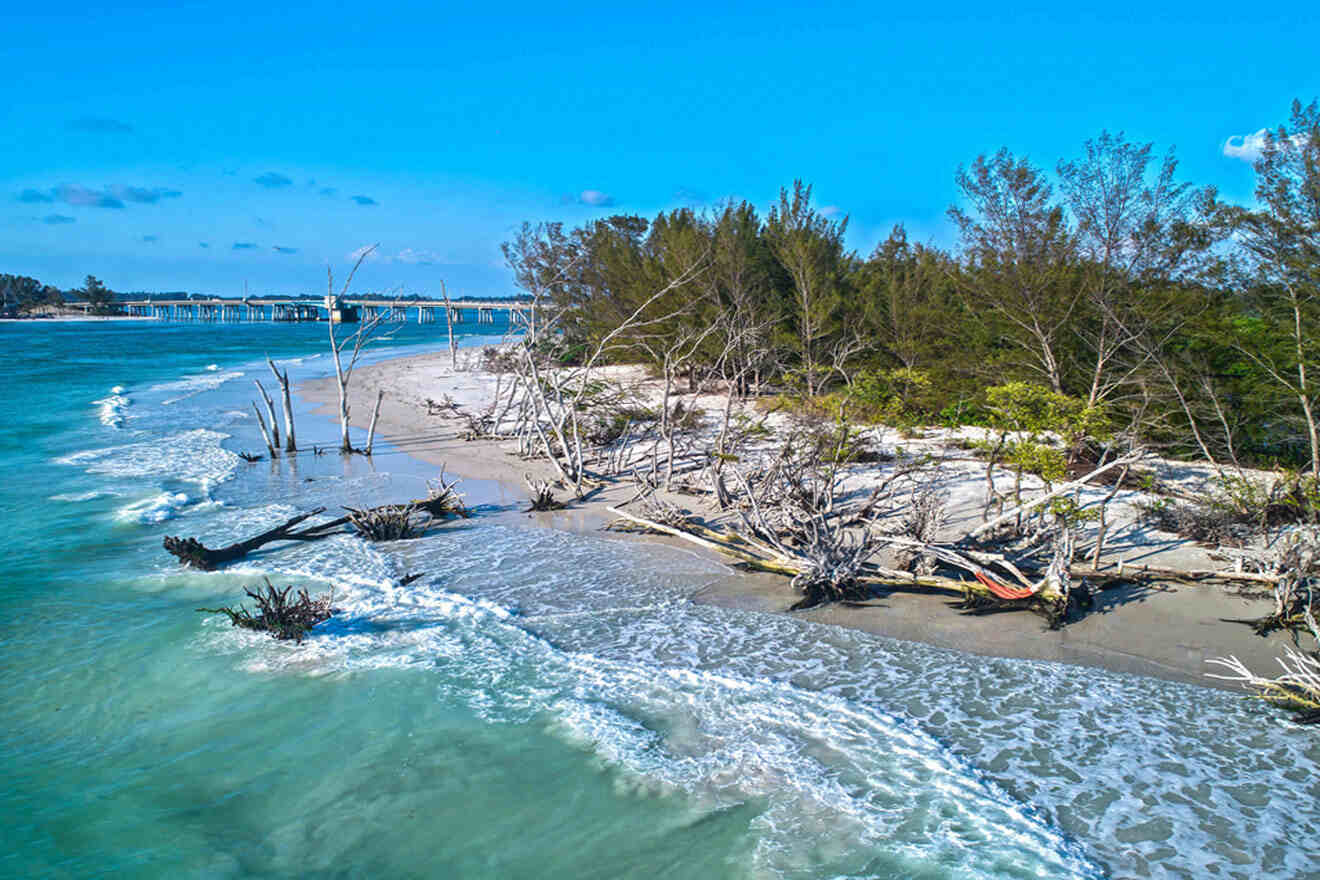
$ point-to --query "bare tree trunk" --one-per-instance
(270, 411)
(449, 323)
(265, 434)
(375, 414)
(290, 440)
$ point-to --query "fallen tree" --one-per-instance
(194, 554)
(277, 614)
(384, 523)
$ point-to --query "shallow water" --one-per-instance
(540, 703)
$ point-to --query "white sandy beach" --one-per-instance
(1165, 632)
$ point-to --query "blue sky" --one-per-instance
(191, 146)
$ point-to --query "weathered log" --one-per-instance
(1126, 572)
(749, 555)
(195, 554)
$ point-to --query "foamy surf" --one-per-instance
(191, 386)
(194, 456)
(110, 409)
(717, 738)
(155, 509)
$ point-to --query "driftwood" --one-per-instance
(542, 495)
(392, 522)
(195, 554)
(283, 618)
(442, 499)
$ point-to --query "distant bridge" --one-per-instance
(346, 310)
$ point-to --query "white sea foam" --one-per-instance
(987, 767)
(156, 509)
(79, 497)
(846, 771)
(190, 386)
(110, 409)
(212, 367)
(191, 456)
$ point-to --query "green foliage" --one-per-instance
(98, 295)
(1107, 294)
(19, 293)
(1044, 461)
(1034, 410)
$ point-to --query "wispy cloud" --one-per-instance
(831, 211)
(244, 246)
(284, 250)
(328, 191)
(100, 125)
(364, 200)
(689, 196)
(1248, 147)
(114, 197)
(407, 256)
(203, 244)
(81, 196)
(141, 194)
(58, 219)
(150, 239)
(595, 197)
(272, 180)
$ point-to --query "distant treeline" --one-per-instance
(1185, 321)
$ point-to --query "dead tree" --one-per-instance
(555, 396)
(274, 438)
(290, 440)
(442, 499)
(371, 429)
(195, 554)
(542, 496)
(449, 325)
(265, 433)
(358, 339)
(283, 618)
(392, 522)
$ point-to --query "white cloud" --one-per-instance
(1248, 147)
(407, 256)
(595, 197)
(830, 210)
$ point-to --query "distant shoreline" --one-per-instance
(66, 319)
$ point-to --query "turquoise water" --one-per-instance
(539, 703)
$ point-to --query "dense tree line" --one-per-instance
(1190, 322)
(20, 294)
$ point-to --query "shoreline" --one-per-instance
(1165, 633)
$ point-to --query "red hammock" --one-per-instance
(1002, 591)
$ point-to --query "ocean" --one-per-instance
(540, 703)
